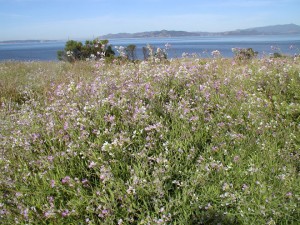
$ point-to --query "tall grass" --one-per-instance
(191, 141)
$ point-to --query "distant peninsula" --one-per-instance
(267, 30)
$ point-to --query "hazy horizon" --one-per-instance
(67, 19)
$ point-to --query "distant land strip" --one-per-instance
(267, 30)
(286, 29)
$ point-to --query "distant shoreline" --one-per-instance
(287, 29)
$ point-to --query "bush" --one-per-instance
(131, 52)
(75, 50)
(278, 55)
(244, 54)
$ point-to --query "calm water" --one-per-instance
(201, 46)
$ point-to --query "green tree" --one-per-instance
(131, 52)
(244, 54)
(94, 49)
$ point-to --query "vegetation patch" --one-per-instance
(187, 141)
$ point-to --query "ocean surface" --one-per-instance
(200, 46)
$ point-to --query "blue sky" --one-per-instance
(74, 19)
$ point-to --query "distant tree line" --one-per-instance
(100, 49)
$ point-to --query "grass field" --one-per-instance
(189, 141)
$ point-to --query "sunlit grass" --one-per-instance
(190, 141)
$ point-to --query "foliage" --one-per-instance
(131, 52)
(191, 141)
(244, 54)
(278, 55)
(155, 56)
(75, 50)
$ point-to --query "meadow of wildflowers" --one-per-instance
(187, 141)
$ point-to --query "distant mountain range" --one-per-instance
(267, 30)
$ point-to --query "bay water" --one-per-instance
(197, 46)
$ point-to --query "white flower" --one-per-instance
(215, 53)
(92, 164)
(184, 55)
(167, 46)
(69, 53)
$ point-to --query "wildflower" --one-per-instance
(65, 180)
(49, 213)
(121, 51)
(50, 158)
(85, 182)
(167, 46)
(92, 164)
(25, 213)
(275, 48)
(66, 126)
(65, 213)
(214, 148)
(69, 53)
(245, 187)
(215, 53)
(194, 118)
(209, 206)
(35, 137)
(92, 56)
(236, 158)
(271, 222)
(235, 50)
(110, 118)
(184, 55)
(52, 183)
(18, 194)
(201, 87)
(103, 213)
(225, 187)
(50, 199)
(130, 190)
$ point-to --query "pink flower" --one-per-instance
(65, 180)
(66, 126)
(65, 213)
(50, 158)
(52, 183)
(236, 158)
